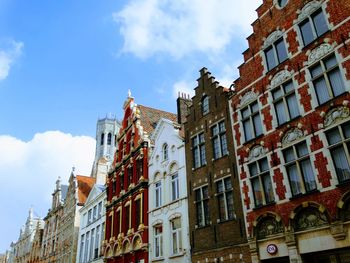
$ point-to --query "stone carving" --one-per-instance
(335, 115)
(291, 136)
(308, 9)
(272, 38)
(248, 98)
(269, 226)
(319, 52)
(137, 243)
(310, 218)
(255, 152)
(280, 77)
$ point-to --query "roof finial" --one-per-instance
(129, 93)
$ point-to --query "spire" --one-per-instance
(129, 93)
(58, 183)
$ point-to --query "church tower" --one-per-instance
(106, 132)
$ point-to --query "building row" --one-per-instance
(258, 172)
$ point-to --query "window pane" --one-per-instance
(309, 178)
(201, 138)
(277, 93)
(216, 147)
(221, 204)
(206, 211)
(205, 192)
(336, 82)
(222, 126)
(229, 202)
(198, 195)
(245, 113)
(302, 149)
(294, 179)
(203, 159)
(281, 112)
(270, 58)
(223, 144)
(333, 136)
(264, 165)
(219, 186)
(248, 133)
(281, 50)
(321, 90)
(341, 163)
(320, 23)
(255, 107)
(215, 130)
(253, 169)
(257, 125)
(293, 106)
(346, 129)
(269, 197)
(316, 71)
(289, 155)
(288, 87)
(228, 184)
(306, 32)
(199, 214)
(258, 195)
(330, 62)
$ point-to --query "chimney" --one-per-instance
(183, 104)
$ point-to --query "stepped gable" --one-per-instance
(150, 117)
(85, 184)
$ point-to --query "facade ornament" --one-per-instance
(255, 152)
(269, 226)
(248, 98)
(291, 136)
(280, 77)
(308, 9)
(335, 115)
(310, 217)
(319, 52)
(272, 38)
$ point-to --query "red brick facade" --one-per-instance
(304, 121)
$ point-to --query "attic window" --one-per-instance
(282, 3)
(205, 105)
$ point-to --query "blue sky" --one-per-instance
(63, 64)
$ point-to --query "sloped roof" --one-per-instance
(150, 117)
(85, 184)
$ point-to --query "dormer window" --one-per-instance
(276, 53)
(205, 105)
(165, 152)
(313, 27)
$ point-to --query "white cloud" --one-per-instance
(183, 26)
(29, 170)
(9, 52)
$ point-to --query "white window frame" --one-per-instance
(178, 236)
(158, 193)
(175, 187)
(158, 240)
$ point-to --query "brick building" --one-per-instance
(126, 235)
(216, 222)
(291, 126)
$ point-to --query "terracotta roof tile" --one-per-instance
(85, 184)
(150, 117)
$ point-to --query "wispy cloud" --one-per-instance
(181, 27)
(28, 171)
(10, 50)
(183, 87)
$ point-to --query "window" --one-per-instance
(205, 105)
(261, 182)
(158, 241)
(100, 209)
(97, 242)
(218, 133)
(225, 199)
(198, 150)
(165, 152)
(137, 212)
(175, 187)
(313, 27)
(127, 217)
(339, 146)
(81, 254)
(92, 243)
(282, 3)
(251, 121)
(95, 213)
(129, 175)
(276, 53)
(285, 102)
(139, 165)
(202, 206)
(121, 181)
(326, 79)
(86, 253)
(109, 139)
(158, 193)
(103, 231)
(90, 216)
(176, 235)
(102, 138)
(299, 169)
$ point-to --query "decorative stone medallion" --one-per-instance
(335, 115)
(272, 38)
(308, 9)
(247, 98)
(280, 77)
(256, 152)
(319, 52)
(291, 136)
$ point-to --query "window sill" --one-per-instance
(202, 227)
(330, 101)
(181, 254)
(225, 220)
(263, 206)
(197, 168)
(304, 194)
(158, 259)
(253, 139)
(221, 157)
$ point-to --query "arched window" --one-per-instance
(268, 226)
(205, 105)
(165, 152)
(102, 138)
(109, 139)
(309, 217)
